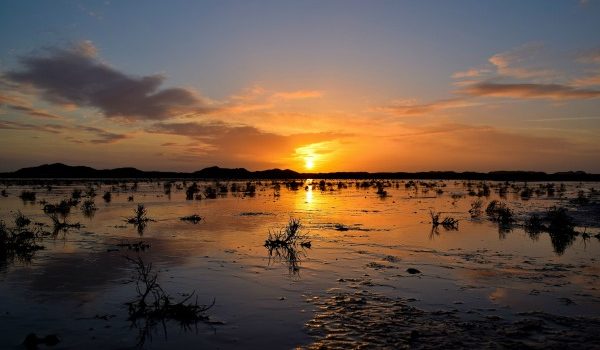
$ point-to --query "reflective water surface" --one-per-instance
(374, 262)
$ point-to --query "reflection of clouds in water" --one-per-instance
(83, 275)
(498, 293)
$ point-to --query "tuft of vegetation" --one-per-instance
(140, 215)
(191, 191)
(380, 191)
(137, 246)
(558, 224)
(107, 196)
(58, 225)
(194, 218)
(140, 218)
(500, 213)
(88, 207)
(153, 306)
(76, 194)
(90, 192)
(341, 227)
(27, 196)
(289, 236)
(18, 242)
(476, 210)
(449, 223)
(288, 245)
(63, 208)
(534, 225)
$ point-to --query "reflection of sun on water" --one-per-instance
(309, 192)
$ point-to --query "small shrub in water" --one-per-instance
(28, 196)
(195, 218)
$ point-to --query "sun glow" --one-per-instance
(309, 162)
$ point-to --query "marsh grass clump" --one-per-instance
(582, 198)
(558, 224)
(153, 306)
(21, 221)
(137, 246)
(107, 196)
(449, 223)
(90, 192)
(88, 207)
(250, 189)
(140, 215)
(500, 213)
(475, 210)
(76, 194)
(289, 236)
(140, 218)
(18, 242)
(4, 193)
(194, 218)
(27, 196)
(61, 225)
(534, 225)
(341, 227)
(288, 245)
(63, 208)
(380, 191)
(191, 190)
(526, 193)
(210, 192)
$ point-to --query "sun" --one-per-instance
(309, 163)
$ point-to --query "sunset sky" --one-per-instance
(308, 85)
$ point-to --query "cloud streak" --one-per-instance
(99, 136)
(528, 91)
(411, 108)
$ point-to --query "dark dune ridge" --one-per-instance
(59, 170)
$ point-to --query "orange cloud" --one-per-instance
(298, 95)
(411, 108)
(514, 63)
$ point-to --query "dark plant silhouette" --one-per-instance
(18, 242)
(140, 218)
(153, 305)
(288, 245)
(449, 223)
(27, 196)
(88, 208)
(194, 218)
(557, 223)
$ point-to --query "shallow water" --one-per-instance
(78, 285)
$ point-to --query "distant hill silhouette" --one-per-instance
(63, 171)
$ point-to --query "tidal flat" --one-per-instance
(163, 264)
